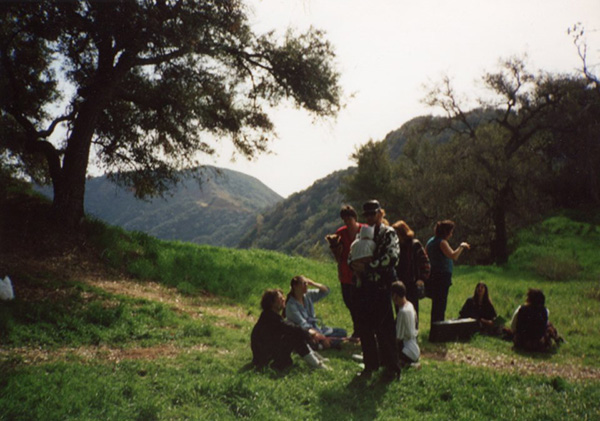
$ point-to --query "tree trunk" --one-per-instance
(499, 246)
(69, 186)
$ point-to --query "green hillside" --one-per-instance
(298, 224)
(107, 324)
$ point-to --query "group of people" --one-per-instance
(383, 272)
(530, 328)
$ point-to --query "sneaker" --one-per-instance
(415, 366)
(323, 366)
(358, 357)
(320, 357)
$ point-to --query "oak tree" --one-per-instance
(142, 87)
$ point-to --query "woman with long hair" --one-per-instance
(480, 308)
(300, 310)
(442, 257)
(413, 266)
(531, 326)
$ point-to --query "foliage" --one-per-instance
(559, 249)
(298, 224)
(493, 169)
(147, 84)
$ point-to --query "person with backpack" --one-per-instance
(413, 266)
(530, 325)
(374, 302)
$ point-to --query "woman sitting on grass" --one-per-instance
(273, 339)
(480, 308)
(530, 326)
(300, 310)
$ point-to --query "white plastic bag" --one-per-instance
(6, 289)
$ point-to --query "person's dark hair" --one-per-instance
(403, 230)
(444, 228)
(348, 211)
(398, 288)
(269, 297)
(536, 298)
(295, 281)
(486, 295)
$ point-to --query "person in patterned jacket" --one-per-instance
(375, 316)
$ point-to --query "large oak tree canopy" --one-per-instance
(144, 82)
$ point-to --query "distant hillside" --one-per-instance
(214, 212)
(298, 224)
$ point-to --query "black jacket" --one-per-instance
(268, 333)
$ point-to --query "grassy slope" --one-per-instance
(92, 337)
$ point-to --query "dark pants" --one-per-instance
(376, 327)
(349, 297)
(282, 357)
(440, 283)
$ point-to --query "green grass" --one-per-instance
(209, 376)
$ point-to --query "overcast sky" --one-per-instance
(387, 50)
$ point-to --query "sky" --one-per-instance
(388, 51)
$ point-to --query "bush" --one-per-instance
(556, 268)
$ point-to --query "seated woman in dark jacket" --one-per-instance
(273, 339)
(530, 326)
(480, 308)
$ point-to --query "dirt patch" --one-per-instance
(196, 307)
(95, 353)
(515, 364)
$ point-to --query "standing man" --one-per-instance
(374, 302)
(347, 234)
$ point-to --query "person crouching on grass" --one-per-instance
(406, 326)
(273, 339)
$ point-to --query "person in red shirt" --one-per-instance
(347, 234)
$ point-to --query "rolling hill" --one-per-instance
(214, 212)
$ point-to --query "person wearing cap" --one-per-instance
(374, 305)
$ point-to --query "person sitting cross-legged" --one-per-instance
(273, 339)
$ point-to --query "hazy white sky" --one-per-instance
(387, 50)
